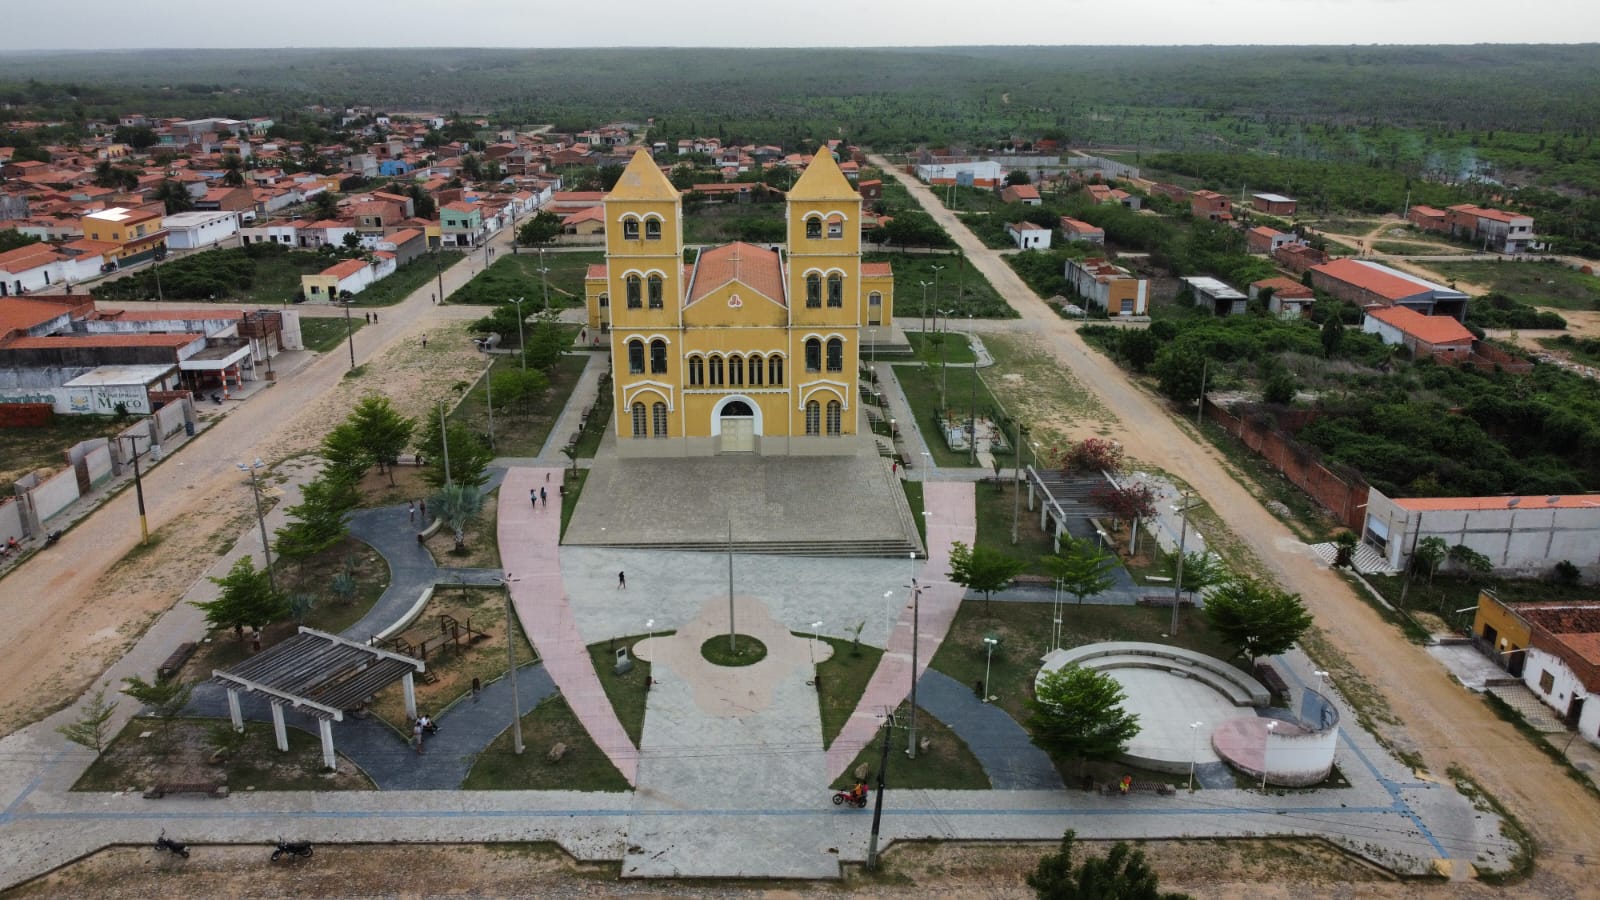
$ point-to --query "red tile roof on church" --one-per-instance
(747, 264)
(877, 268)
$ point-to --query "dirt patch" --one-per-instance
(149, 752)
(482, 550)
(455, 655)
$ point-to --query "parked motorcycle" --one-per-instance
(849, 798)
(171, 846)
(301, 849)
(52, 537)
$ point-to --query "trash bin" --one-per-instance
(188, 429)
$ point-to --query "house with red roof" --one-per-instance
(1029, 236)
(1288, 298)
(1026, 194)
(1370, 284)
(1075, 230)
(1497, 229)
(1210, 205)
(1429, 219)
(1264, 240)
(1554, 647)
(1440, 337)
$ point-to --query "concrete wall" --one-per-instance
(10, 520)
(1297, 760)
(1524, 540)
(51, 495)
(92, 461)
(170, 419)
(81, 401)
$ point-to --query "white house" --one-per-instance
(1029, 236)
(1524, 536)
(193, 230)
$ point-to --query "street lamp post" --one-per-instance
(990, 643)
(511, 665)
(438, 271)
(1183, 537)
(972, 438)
(544, 280)
(816, 632)
(522, 346)
(944, 351)
(1271, 727)
(350, 335)
(936, 271)
(1194, 750)
(444, 443)
(923, 320)
(138, 488)
(916, 624)
(261, 519)
(1016, 486)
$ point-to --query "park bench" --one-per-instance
(214, 789)
(1141, 787)
(173, 663)
(1268, 675)
(1026, 580)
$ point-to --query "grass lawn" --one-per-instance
(931, 348)
(482, 545)
(627, 693)
(1024, 633)
(1403, 248)
(324, 333)
(996, 508)
(1449, 593)
(913, 491)
(517, 275)
(407, 279)
(523, 428)
(947, 764)
(594, 428)
(1534, 283)
(921, 385)
(569, 504)
(22, 450)
(277, 277)
(314, 576)
(453, 667)
(583, 767)
(722, 223)
(962, 289)
(841, 679)
(179, 750)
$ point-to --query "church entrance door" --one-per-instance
(738, 428)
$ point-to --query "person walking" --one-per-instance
(416, 734)
(411, 508)
(533, 497)
(622, 580)
(424, 507)
(544, 497)
(424, 342)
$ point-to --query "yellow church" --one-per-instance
(745, 349)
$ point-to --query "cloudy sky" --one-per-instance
(103, 24)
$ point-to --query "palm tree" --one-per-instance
(457, 505)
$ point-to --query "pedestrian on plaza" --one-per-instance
(416, 733)
(424, 506)
(411, 508)
(367, 317)
(544, 497)
(374, 318)
(434, 298)
(476, 688)
(424, 342)
(533, 497)
(622, 581)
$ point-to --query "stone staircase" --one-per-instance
(1366, 560)
(900, 548)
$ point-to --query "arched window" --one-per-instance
(813, 228)
(834, 411)
(655, 291)
(755, 370)
(658, 420)
(605, 300)
(835, 355)
(836, 227)
(697, 371)
(813, 291)
(716, 370)
(652, 229)
(775, 370)
(630, 229)
(636, 357)
(639, 421)
(813, 355)
(658, 357)
(736, 370)
(835, 291)
(635, 292)
(813, 417)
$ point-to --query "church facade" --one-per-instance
(742, 348)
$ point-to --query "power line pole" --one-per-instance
(877, 809)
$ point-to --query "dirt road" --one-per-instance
(73, 608)
(1446, 724)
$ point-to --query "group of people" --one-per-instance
(423, 725)
(11, 546)
(539, 495)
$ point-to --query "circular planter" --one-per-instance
(750, 651)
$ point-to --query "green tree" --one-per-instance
(317, 522)
(1138, 348)
(514, 386)
(1200, 571)
(541, 229)
(982, 569)
(11, 239)
(138, 137)
(92, 727)
(1082, 568)
(457, 505)
(1428, 554)
(1076, 713)
(1255, 617)
(326, 206)
(165, 698)
(384, 432)
(232, 170)
(547, 340)
(469, 455)
(1122, 874)
(174, 196)
(1016, 177)
(1179, 369)
(346, 450)
(1473, 564)
(247, 598)
(300, 605)
(1332, 337)
(422, 204)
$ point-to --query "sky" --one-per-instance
(116, 24)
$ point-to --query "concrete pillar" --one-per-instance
(278, 730)
(1029, 480)
(234, 712)
(325, 729)
(411, 694)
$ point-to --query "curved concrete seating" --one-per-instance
(1240, 689)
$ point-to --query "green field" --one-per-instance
(722, 223)
(324, 333)
(517, 275)
(960, 288)
(1534, 283)
(921, 384)
(408, 278)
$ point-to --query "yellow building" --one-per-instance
(747, 349)
(138, 232)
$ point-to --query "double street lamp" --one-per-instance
(261, 519)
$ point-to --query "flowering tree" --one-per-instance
(1128, 503)
(1092, 456)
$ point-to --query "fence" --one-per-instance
(1343, 495)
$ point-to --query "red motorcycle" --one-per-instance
(859, 801)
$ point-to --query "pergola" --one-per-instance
(323, 675)
(1059, 498)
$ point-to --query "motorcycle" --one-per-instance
(301, 849)
(849, 798)
(52, 537)
(171, 846)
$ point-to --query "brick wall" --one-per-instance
(26, 415)
(1344, 496)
